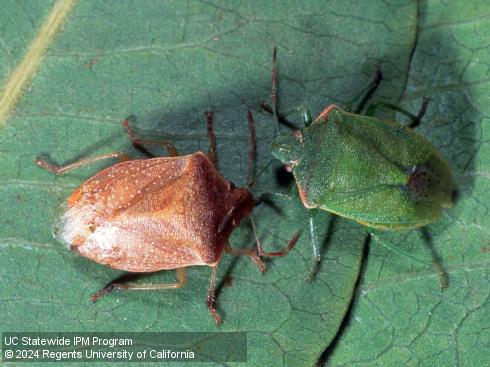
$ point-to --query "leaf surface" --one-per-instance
(168, 62)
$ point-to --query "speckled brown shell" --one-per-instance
(154, 214)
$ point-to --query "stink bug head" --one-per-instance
(289, 148)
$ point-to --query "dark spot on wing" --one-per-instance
(422, 182)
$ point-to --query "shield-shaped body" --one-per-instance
(379, 173)
(154, 214)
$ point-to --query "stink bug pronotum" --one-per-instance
(379, 173)
(146, 215)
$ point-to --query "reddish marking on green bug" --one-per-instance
(146, 215)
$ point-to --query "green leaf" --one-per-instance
(167, 63)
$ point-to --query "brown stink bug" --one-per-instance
(146, 215)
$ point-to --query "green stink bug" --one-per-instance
(378, 173)
(382, 174)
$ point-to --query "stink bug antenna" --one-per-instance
(251, 149)
(278, 117)
(251, 179)
(272, 109)
(274, 90)
(252, 182)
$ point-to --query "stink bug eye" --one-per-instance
(454, 196)
(146, 215)
(288, 148)
(283, 177)
(298, 134)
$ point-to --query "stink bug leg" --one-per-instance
(211, 297)
(281, 117)
(366, 94)
(314, 244)
(436, 259)
(415, 118)
(211, 138)
(181, 279)
(283, 252)
(59, 170)
(136, 141)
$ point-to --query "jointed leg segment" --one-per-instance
(211, 298)
(415, 118)
(114, 285)
(314, 244)
(59, 170)
(172, 151)
(211, 138)
(247, 252)
(283, 252)
(368, 92)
